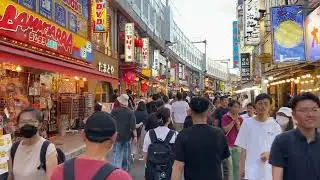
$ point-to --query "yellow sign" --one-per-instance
(146, 72)
(99, 15)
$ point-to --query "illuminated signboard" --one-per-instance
(129, 43)
(99, 8)
(21, 24)
(288, 34)
(145, 53)
(313, 35)
(74, 5)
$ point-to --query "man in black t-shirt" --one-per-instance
(200, 149)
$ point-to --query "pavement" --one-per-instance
(137, 170)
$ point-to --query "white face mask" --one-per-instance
(282, 120)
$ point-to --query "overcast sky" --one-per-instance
(210, 19)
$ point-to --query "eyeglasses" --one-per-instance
(309, 110)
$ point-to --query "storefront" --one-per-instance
(47, 65)
(134, 50)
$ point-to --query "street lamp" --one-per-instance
(204, 65)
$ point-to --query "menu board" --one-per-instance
(5, 145)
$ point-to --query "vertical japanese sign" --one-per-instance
(129, 43)
(45, 8)
(145, 53)
(156, 57)
(251, 26)
(235, 42)
(245, 67)
(288, 34)
(313, 35)
(99, 14)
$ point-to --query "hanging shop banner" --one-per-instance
(100, 15)
(5, 145)
(129, 43)
(85, 10)
(251, 28)
(235, 41)
(31, 4)
(156, 56)
(45, 8)
(245, 67)
(313, 35)
(145, 53)
(21, 24)
(288, 36)
(60, 15)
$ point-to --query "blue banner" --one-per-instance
(288, 34)
(73, 22)
(85, 10)
(60, 15)
(45, 8)
(235, 42)
(31, 4)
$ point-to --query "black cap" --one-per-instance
(100, 127)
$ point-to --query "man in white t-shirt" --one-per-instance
(179, 111)
(255, 138)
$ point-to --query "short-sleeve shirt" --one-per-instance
(86, 169)
(161, 133)
(179, 109)
(233, 133)
(256, 138)
(298, 158)
(125, 121)
(202, 149)
(27, 161)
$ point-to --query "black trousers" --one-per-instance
(4, 176)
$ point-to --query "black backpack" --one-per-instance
(61, 156)
(102, 174)
(160, 157)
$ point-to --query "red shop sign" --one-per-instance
(74, 5)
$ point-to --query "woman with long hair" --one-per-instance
(141, 120)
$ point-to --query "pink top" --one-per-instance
(232, 136)
(86, 169)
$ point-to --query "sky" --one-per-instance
(207, 19)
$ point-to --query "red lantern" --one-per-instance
(136, 42)
(141, 43)
(144, 88)
(130, 77)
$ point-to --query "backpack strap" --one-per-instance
(153, 136)
(13, 150)
(43, 155)
(104, 172)
(68, 169)
(169, 136)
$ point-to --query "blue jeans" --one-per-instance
(121, 153)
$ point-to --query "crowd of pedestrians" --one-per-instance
(181, 137)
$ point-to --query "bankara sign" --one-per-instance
(145, 53)
(245, 67)
(129, 42)
(251, 29)
(21, 24)
(100, 14)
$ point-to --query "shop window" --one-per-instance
(145, 9)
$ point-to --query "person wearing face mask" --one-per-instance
(284, 118)
(24, 161)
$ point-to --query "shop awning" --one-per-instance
(28, 59)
